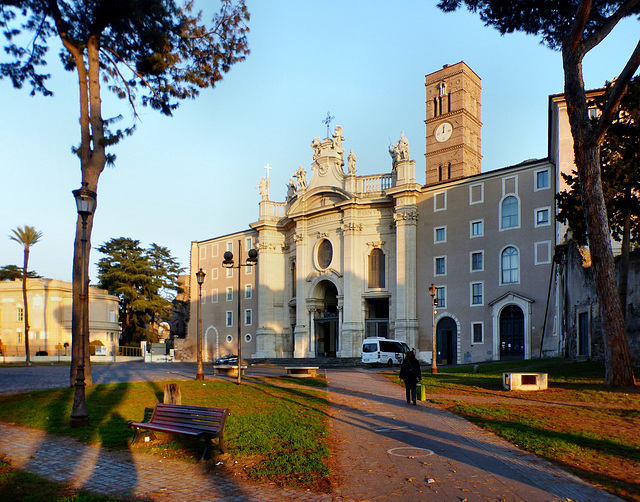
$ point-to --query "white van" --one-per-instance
(383, 351)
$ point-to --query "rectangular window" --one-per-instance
(229, 272)
(214, 274)
(476, 194)
(440, 201)
(113, 317)
(542, 217)
(230, 246)
(247, 317)
(542, 252)
(248, 243)
(247, 291)
(476, 329)
(20, 314)
(542, 179)
(477, 297)
(476, 228)
(214, 296)
(214, 250)
(377, 269)
(440, 266)
(477, 261)
(229, 294)
(441, 295)
(229, 318)
(440, 234)
(203, 253)
(248, 269)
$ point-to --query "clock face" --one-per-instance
(443, 131)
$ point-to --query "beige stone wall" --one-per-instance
(50, 315)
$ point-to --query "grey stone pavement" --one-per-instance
(385, 450)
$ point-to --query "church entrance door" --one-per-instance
(326, 327)
(326, 321)
(447, 341)
(512, 333)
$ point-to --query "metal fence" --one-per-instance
(49, 349)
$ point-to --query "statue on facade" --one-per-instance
(337, 137)
(301, 176)
(263, 187)
(291, 189)
(400, 150)
(351, 162)
(403, 147)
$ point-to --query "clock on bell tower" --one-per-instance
(453, 123)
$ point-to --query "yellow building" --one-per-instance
(50, 317)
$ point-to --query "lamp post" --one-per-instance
(433, 291)
(252, 259)
(85, 204)
(199, 372)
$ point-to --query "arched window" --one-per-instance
(510, 262)
(510, 212)
(376, 268)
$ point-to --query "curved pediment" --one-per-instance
(317, 199)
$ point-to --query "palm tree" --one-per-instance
(26, 236)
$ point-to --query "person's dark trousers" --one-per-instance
(411, 391)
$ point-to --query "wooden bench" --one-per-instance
(194, 421)
(302, 371)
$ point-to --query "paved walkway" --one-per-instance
(386, 451)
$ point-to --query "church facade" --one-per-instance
(346, 257)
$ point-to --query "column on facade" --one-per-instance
(303, 322)
(351, 322)
(406, 216)
(271, 291)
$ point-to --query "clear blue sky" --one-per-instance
(194, 176)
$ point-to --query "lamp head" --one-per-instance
(85, 200)
(228, 259)
(253, 257)
(200, 276)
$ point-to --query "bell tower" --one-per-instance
(453, 123)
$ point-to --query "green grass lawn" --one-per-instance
(577, 423)
(276, 433)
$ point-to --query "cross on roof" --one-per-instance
(327, 121)
(268, 168)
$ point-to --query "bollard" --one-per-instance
(423, 392)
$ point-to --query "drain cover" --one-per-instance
(410, 452)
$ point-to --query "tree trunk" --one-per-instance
(26, 306)
(586, 146)
(619, 368)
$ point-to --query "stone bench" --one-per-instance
(228, 370)
(524, 381)
(302, 371)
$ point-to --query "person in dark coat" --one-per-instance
(410, 373)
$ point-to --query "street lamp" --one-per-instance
(199, 372)
(433, 291)
(252, 259)
(86, 205)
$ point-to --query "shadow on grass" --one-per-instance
(548, 443)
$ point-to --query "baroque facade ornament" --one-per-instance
(405, 215)
(352, 227)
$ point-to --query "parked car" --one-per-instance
(228, 359)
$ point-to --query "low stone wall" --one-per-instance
(581, 297)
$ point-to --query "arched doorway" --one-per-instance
(326, 321)
(446, 341)
(512, 333)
